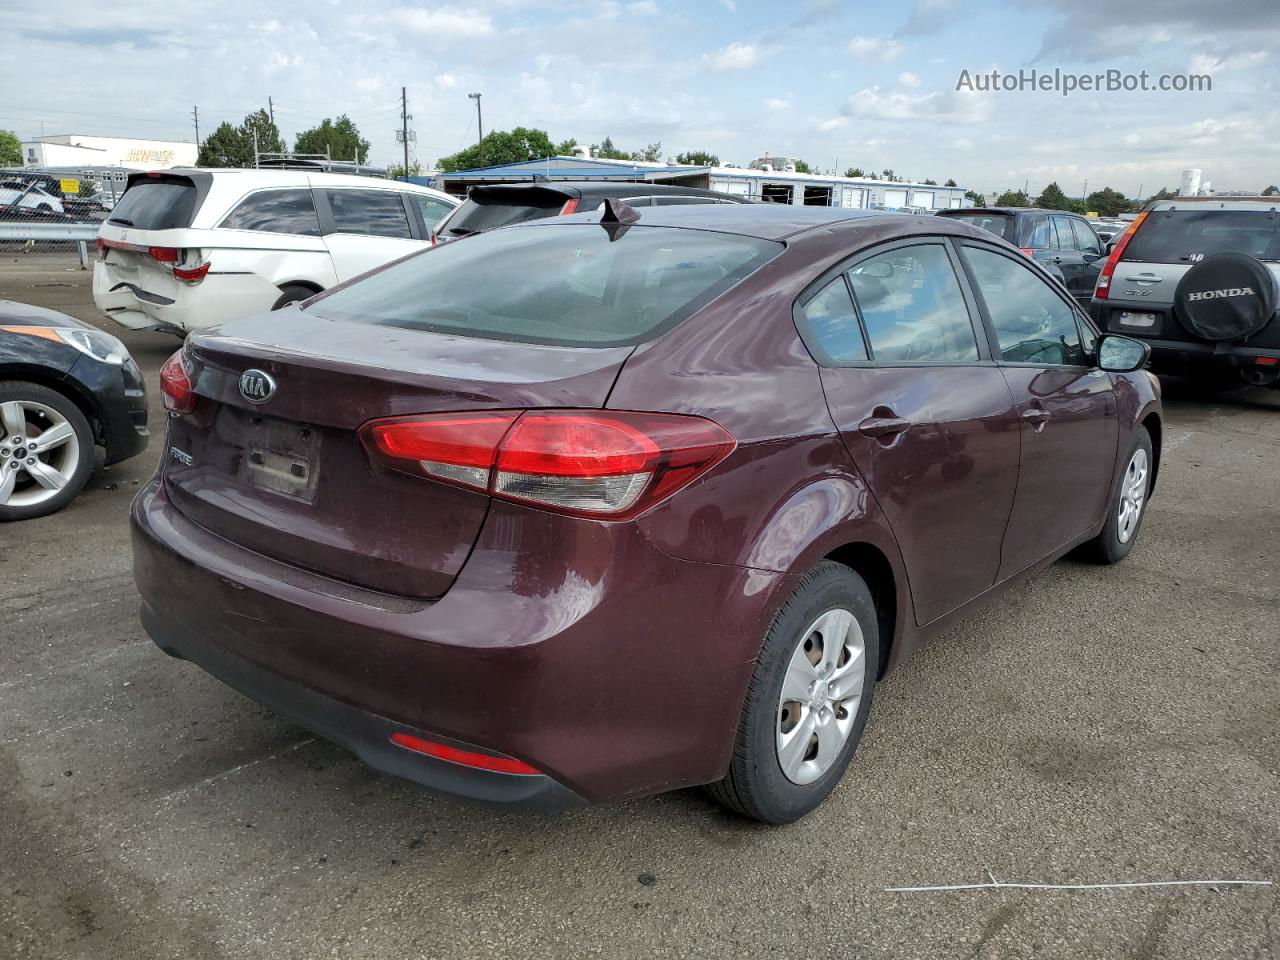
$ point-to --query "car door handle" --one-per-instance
(883, 426)
(1036, 416)
(1144, 278)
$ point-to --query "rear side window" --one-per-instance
(1063, 238)
(432, 210)
(912, 306)
(1036, 233)
(833, 323)
(1033, 324)
(569, 284)
(156, 205)
(1086, 240)
(999, 224)
(1187, 236)
(276, 211)
(373, 213)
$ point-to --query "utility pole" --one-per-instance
(479, 124)
(271, 110)
(195, 118)
(404, 128)
(1084, 192)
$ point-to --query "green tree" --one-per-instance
(339, 138)
(1162, 194)
(565, 148)
(605, 150)
(978, 199)
(1013, 198)
(698, 158)
(1108, 202)
(650, 154)
(10, 149)
(1053, 198)
(230, 146)
(502, 146)
(930, 183)
(950, 183)
(803, 167)
(887, 174)
(396, 170)
(1271, 191)
(855, 172)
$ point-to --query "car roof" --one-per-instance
(1262, 204)
(765, 221)
(251, 178)
(1007, 211)
(589, 189)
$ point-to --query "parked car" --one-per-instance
(1064, 240)
(1197, 278)
(65, 389)
(185, 249)
(502, 204)
(598, 506)
(20, 196)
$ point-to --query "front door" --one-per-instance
(926, 416)
(365, 228)
(1065, 404)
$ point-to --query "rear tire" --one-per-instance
(791, 749)
(1128, 504)
(39, 480)
(292, 293)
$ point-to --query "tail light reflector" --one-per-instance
(192, 275)
(465, 758)
(1029, 251)
(1267, 361)
(591, 463)
(164, 254)
(570, 206)
(175, 385)
(1103, 287)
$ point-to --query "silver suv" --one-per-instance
(1198, 278)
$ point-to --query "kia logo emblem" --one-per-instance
(256, 386)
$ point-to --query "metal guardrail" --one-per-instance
(81, 234)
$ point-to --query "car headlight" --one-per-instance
(101, 346)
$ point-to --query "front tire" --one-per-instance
(46, 450)
(808, 700)
(1128, 504)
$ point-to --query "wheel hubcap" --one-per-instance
(1133, 495)
(38, 454)
(821, 691)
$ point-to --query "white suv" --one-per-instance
(186, 249)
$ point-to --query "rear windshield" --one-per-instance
(1000, 224)
(1187, 236)
(567, 284)
(486, 213)
(156, 205)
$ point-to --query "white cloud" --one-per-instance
(835, 123)
(776, 104)
(1211, 64)
(884, 49)
(643, 8)
(736, 56)
(441, 22)
(908, 79)
(729, 5)
(445, 81)
(881, 104)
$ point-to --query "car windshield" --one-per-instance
(998, 223)
(156, 205)
(567, 284)
(493, 207)
(1187, 236)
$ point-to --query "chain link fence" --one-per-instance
(53, 213)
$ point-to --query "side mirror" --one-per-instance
(1122, 354)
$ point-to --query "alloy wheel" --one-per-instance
(820, 695)
(1133, 495)
(39, 453)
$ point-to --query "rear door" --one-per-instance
(925, 414)
(1076, 274)
(1065, 404)
(366, 227)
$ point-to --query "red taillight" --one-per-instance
(588, 463)
(1103, 287)
(102, 247)
(570, 206)
(175, 385)
(1029, 251)
(191, 274)
(164, 254)
(1267, 361)
(465, 758)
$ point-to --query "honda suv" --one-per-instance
(1197, 279)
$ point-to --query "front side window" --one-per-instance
(1062, 233)
(1086, 240)
(912, 306)
(559, 283)
(1033, 324)
(432, 210)
(833, 323)
(276, 211)
(372, 213)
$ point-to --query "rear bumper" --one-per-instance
(127, 299)
(574, 646)
(364, 733)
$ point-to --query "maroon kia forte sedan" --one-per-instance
(595, 507)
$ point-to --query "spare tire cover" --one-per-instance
(1228, 296)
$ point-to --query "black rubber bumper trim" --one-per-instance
(365, 734)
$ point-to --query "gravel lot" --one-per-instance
(1097, 725)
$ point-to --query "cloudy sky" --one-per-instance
(835, 83)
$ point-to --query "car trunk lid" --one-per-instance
(288, 477)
